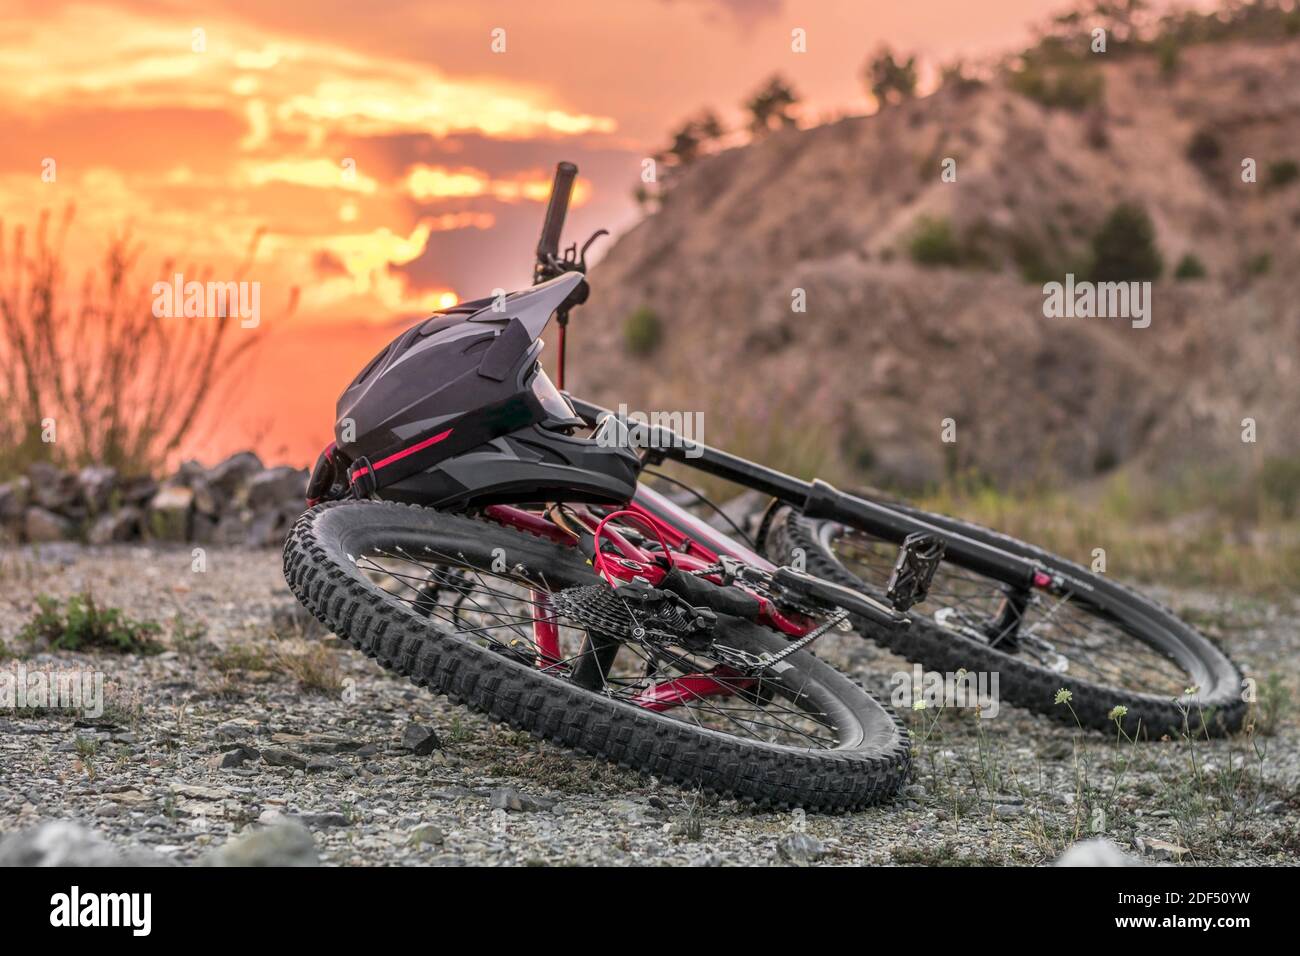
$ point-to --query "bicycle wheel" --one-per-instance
(1107, 645)
(520, 628)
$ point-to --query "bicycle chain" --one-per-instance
(832, 622)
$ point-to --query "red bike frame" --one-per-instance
(691, 545)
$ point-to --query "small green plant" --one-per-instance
(1124, 248)
(691, 824)
(1189, 267)
(126, 711)
(186, 634)
(1094, 803)
(643, 332)
(1283, 173)
(1070, 84)
(890, 80)
(1095, 130)
(1203, 149)
(856, 448)
(771, 106)
(1030, 259)
(1259, 265)
(1279, 481)
(459, 732)
(1273, 704)
(1040, 259)
(1167, 55)
(934, 243)
(85, 626)
(86, 748)
(954, 76)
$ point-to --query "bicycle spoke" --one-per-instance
(503, 608)
(1061, 631)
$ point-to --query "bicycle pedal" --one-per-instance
(918, 558)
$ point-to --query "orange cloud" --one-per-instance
(438, 182)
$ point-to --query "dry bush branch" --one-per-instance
(123, 386)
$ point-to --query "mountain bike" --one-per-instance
(983, 602)
(480, 531)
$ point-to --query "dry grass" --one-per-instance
(313, 665)
(1236, 532)
(122, 387)
(241, 658)
(1210, 527)
(1200, 793)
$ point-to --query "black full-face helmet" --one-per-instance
(457, 410)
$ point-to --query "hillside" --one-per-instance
(888, 348)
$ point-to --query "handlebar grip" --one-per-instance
(561, 190)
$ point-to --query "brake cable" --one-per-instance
(599, 559)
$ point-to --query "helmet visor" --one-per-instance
(558, 409)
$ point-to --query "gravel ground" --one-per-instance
(247, 723)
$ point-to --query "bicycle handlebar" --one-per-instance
(548, 247)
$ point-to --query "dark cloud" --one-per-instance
(747, 12)
(326, 264)
(394, 154)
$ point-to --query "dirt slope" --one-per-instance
(887, 348)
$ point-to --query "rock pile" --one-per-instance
(237, 502)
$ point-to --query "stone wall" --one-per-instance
(238, 501)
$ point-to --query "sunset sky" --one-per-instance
(391, 158)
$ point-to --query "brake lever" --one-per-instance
(574, 260)
(582, 253)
